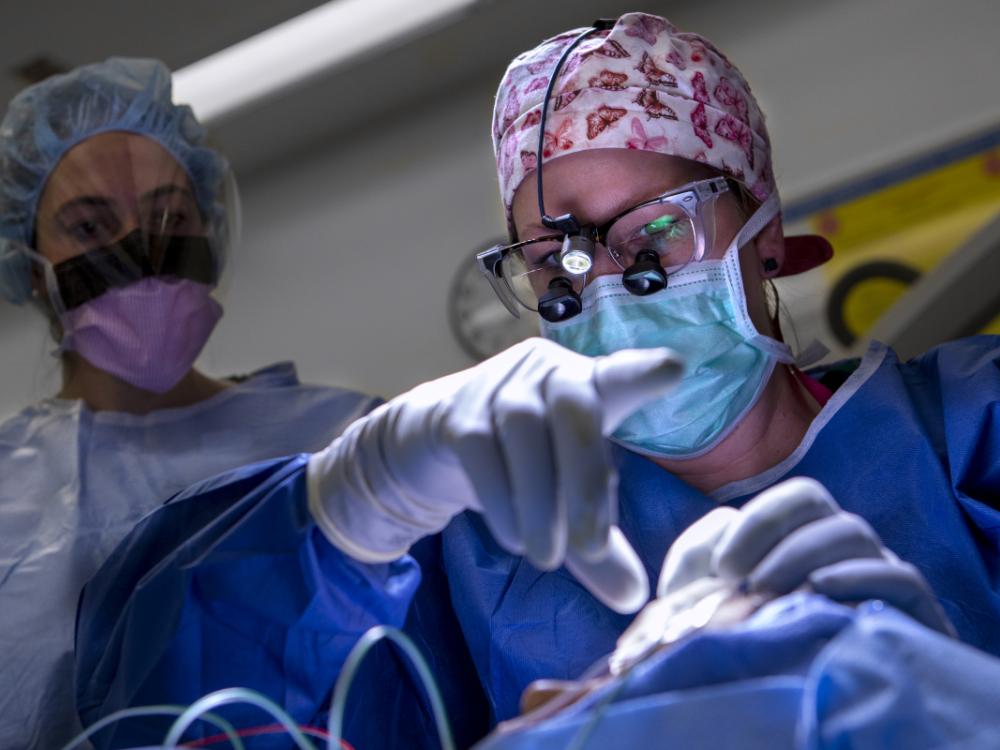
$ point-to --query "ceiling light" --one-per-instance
(309, 45)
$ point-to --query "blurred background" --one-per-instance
(367, 177)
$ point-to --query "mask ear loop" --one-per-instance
(58, 309)
(754, 225)
(734, 275)
(52, 287)
(51, 304)
(38, 260)
(760, 219)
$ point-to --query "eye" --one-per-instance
(666, 227)
(90, 232)
(173, 212)
(175, 221)
(662, 234)
(89, 222)
(169, 222)
(83, 230)
(546, 261)
(542, 255)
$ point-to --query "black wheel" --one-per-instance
(851, 283)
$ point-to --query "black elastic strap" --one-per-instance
(136, 256)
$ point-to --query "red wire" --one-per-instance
(215, 739)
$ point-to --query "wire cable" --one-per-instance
(235, 695)
(264, 730)
(129, 713)
(545, 106)
(353, 662)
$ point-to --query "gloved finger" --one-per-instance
(618, 580)
(894, 582)
(520, 423)
(689, 595)
(766, 520)
(690, 556)
(585, 472)
(627, 379)
(813, 546)
(483, 465)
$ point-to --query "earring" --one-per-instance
(770, 264)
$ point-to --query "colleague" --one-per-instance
(116, 220)
(647, 248)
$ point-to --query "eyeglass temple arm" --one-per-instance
(489, 265)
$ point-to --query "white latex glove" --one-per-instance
(519, 438)
(793, 535)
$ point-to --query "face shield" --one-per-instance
(120, 209)
(126, 255)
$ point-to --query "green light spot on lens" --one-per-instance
(658, 225)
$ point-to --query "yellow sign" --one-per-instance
(885, 239)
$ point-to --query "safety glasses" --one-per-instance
(547, 274)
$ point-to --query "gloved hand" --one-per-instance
(519, 438)
(793, 535)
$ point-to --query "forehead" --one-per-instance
(597, 184)
(115, 165)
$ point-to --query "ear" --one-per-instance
(770, 244)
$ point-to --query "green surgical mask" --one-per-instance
(702, 315)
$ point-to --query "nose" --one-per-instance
(604, 264)
(145, 245)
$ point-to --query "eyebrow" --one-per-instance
(100, 201)
(92, 201)
(168, 189)
(619, 208)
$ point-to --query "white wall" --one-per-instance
(348, 251)
(348, 255)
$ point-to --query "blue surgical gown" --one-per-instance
(74, 482)
(913, 447)
(803, 673)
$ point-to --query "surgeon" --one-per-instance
(540, 490)
(116, 222)
(635, 171)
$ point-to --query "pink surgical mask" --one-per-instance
(148, 333)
